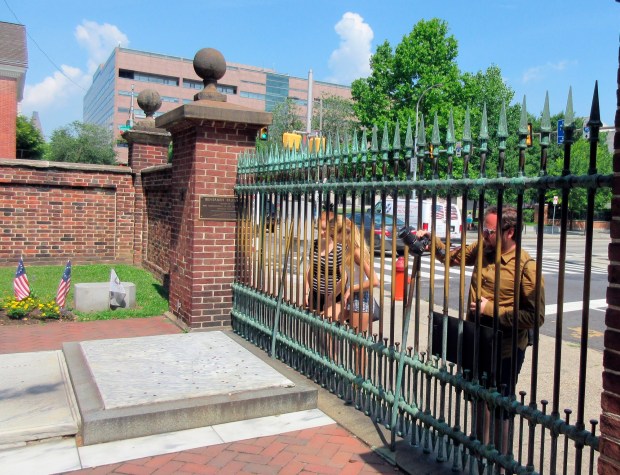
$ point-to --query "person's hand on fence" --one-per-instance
(483, 303)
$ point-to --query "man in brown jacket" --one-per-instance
(503, 308)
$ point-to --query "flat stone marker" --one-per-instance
(134, 387)
(134, 371)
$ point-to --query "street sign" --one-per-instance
(586, 132)
(555, 200)
(458, 149)
(124, 128)
(560, 131)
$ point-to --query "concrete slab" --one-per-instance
(37, 399)
(135, 387)
(95, 296)
(41, 458)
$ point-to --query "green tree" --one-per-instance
(334, 115)
(30, 142)
(374, 96)
(425, 57)
(423, 71)
(286, 118)
(80, 142)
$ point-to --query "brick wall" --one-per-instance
(50, 212)
(609, 460)
(147, 148)
(8, 117)
(158, 209)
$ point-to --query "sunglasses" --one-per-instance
(488, 232)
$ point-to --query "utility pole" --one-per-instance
(310, 104)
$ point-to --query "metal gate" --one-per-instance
(408, 370)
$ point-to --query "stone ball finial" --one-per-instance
(210, 65)
(149, 101)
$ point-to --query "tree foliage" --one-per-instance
(30, 141)
(80, 142)
(286, 118)
(422, 73)
(334, 115)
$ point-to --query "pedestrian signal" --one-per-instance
(263, 135)
(528, 137)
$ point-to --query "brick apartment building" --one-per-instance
(108, 101)
(13, 65)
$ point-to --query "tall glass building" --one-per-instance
(117, 83)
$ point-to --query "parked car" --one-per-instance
(390, 231)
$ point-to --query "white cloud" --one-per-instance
(99, 40)
(538, 73)
(55, 90)
(58, 97)
(351, 60)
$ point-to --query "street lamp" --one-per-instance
(414, 162)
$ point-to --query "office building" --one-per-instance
(110, 100)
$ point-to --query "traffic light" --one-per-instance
(263, 135)
(528, 137)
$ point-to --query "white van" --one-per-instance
(456, 222)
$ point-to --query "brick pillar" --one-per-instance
(609, 460)
(8, 117)
(207, 135)
(148, 147)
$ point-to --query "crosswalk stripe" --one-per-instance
(552, 309)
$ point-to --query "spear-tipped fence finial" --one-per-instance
(385, 144)
(450, 140)
(569, 116)
(484, 124)
(436, 141)
(396, 142)
(545, 122)
(523, 129)
(595, 112)
(422, 133)
(408, 137)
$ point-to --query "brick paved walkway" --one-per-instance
(51, 336)
(322, 450)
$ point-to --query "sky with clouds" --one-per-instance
(539, 46)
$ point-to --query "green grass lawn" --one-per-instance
(151, 298)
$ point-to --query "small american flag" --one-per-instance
(64, 286)
(440, 212)
(21, 286)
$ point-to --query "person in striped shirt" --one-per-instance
(326, 278)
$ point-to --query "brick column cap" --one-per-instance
(148, 136)
(205, 110)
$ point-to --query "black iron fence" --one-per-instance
(413, 339)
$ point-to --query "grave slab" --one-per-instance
(134, 387)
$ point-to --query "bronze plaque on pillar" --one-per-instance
(218, 208)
